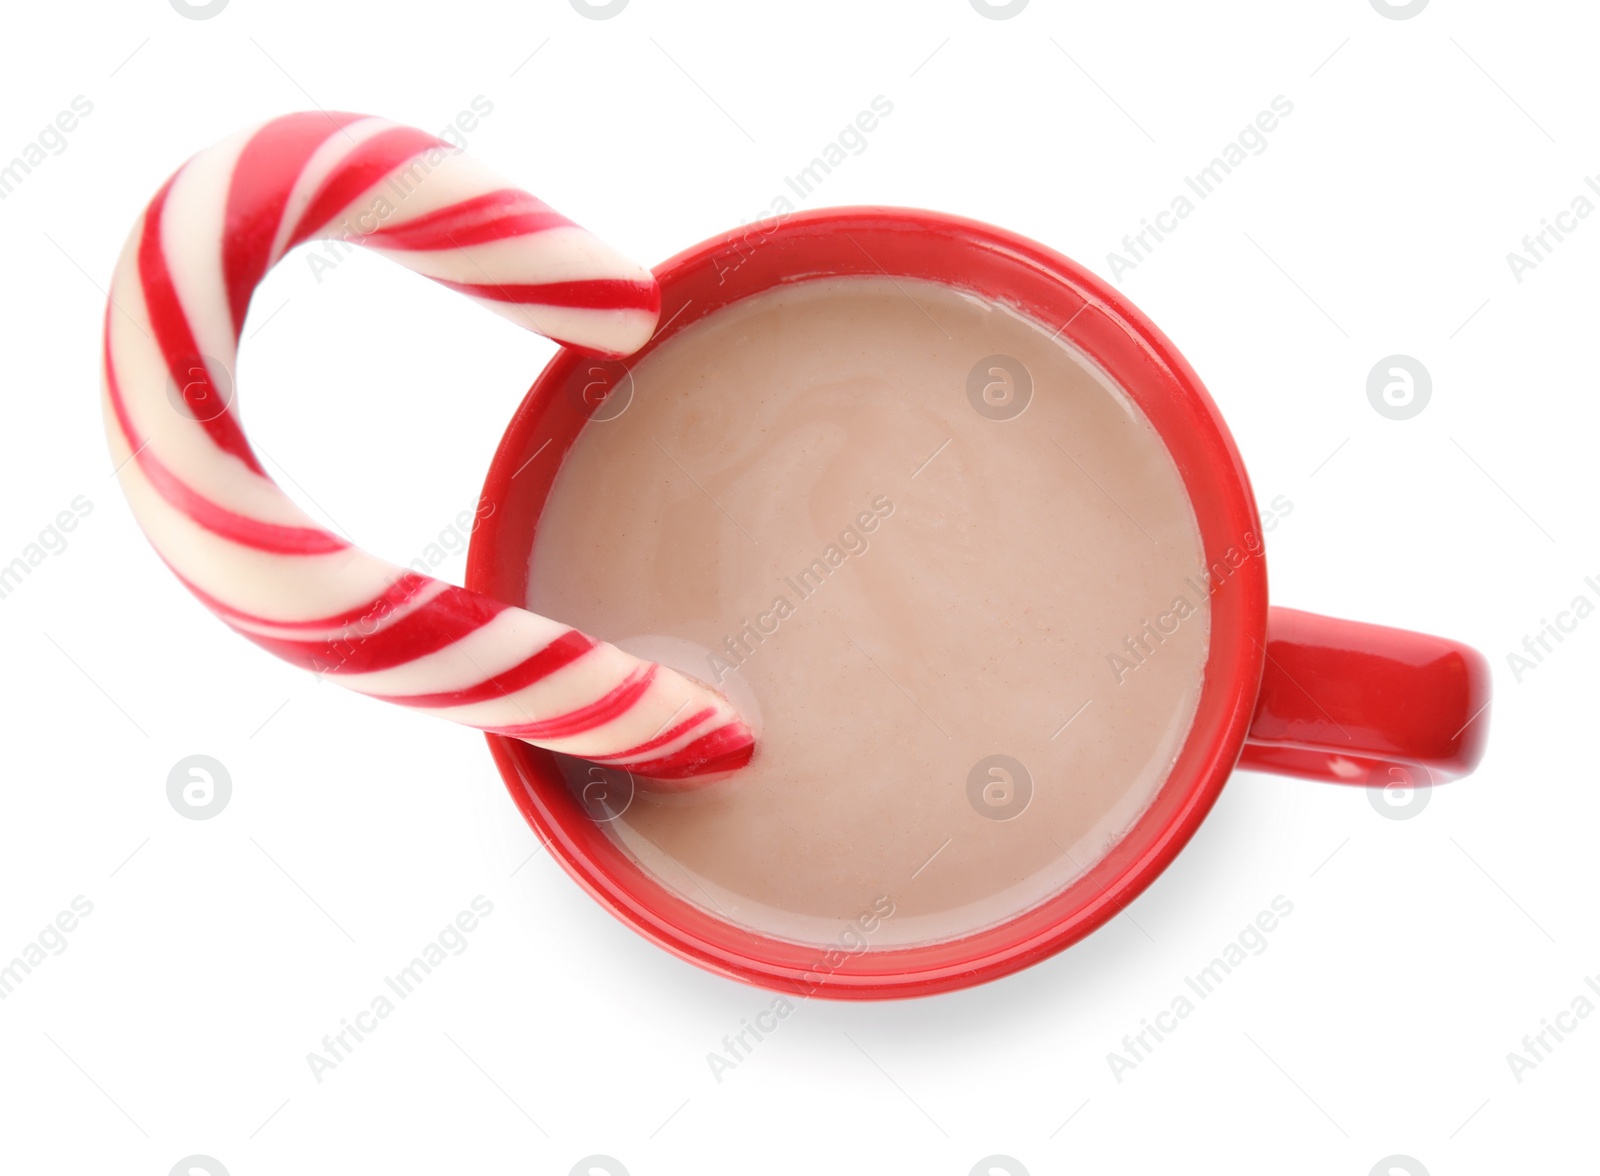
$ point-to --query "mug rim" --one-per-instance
(1096, 319)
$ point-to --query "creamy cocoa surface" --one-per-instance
(971, 638)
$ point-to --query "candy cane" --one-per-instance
(176, 307)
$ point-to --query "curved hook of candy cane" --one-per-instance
(177, 304)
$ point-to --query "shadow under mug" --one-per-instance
(1284, 691)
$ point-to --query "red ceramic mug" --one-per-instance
(1284, 691)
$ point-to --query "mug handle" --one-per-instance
(1346, 702)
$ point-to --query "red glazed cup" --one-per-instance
(1284, 691)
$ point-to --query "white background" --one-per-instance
(219, 952)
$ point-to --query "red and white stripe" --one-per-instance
(180, 291)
